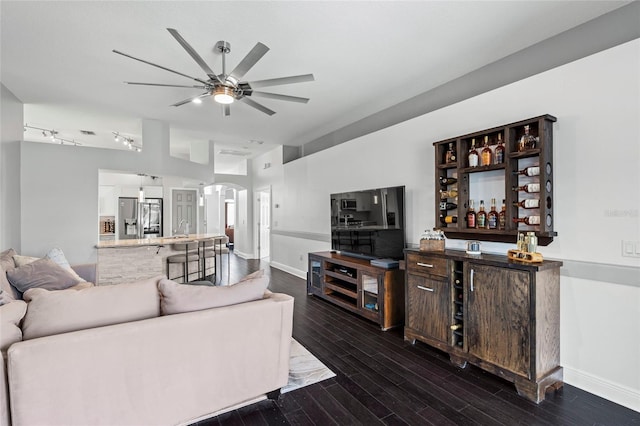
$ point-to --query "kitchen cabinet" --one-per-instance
(106, 200)
(499, 314)
(354, 284)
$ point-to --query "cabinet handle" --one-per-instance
(471, 279)
(425, 288)
(426, 265)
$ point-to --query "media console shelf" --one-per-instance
(354, 284)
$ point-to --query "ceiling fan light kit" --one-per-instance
(227, 88)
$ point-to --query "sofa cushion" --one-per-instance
(7, 264)
(42, 273)
(177, 298)
(10, 316)
(55, 312)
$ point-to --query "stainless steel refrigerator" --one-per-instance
(139, 220)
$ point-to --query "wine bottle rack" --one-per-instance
(500, 178)
(458, 306)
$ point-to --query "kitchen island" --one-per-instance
(122, 261)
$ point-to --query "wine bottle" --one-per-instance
(529, 171)
(530, 187)
(450, 156)
(481, 217)
(498, 157)
(448, 219)
(446, 205)
(502, 216)
(528, 220)
(492, 216)
(452, 193)
(447, 180)
(471, 216)
(473, 154)
(486, 154)
(456, 326)
(530, 203)
(527, 141)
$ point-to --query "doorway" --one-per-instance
(184, 209)
(263, 199)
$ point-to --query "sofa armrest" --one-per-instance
(166, 370)
(87, 271)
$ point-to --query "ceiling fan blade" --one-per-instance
(257, 106)
(191, 51)
(280, 81)
(164, 85)
(280, 97)
(186, 101)
(226, 110)
(249, 61)
(159, 66)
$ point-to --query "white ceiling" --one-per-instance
(366, 56)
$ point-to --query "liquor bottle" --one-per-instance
(527, 141)
(448, 219)
(471, 216)
(486, 154)
(446, 205)
(530, 187)
(529, 171)
(502, 216)
(481, 217)
(450, 156)
(498, 157)
(528, 220)
(529, 203)
(452, 193)
(473, 154)
(492, 216)
(447, 180)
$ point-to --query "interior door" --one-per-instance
(264, 234)
(184, 211)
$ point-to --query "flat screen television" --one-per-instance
(369, 224)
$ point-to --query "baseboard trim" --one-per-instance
(293, 271)
(619, 394)
(243, 255)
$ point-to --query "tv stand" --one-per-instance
(354, 284)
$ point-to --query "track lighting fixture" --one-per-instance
(126, 141)
(52, 134)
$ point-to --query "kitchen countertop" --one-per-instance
(156, 241)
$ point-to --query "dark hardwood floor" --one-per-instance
(381, 379)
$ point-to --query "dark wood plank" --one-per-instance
(382, 378)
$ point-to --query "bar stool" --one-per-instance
(206, 250)
(190, 255)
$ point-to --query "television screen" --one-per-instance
(369, 224)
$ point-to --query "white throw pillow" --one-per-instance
(57, 255)
(178, 298)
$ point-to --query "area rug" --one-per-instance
(304, 368)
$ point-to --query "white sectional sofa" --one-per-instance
(147, 353)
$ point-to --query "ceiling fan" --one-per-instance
(227, 88)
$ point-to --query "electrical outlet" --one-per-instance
(630, 248)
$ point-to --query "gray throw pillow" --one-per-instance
(43, 273)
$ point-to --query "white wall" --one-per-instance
(596, 152)
(11, 132)
(59, 189)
